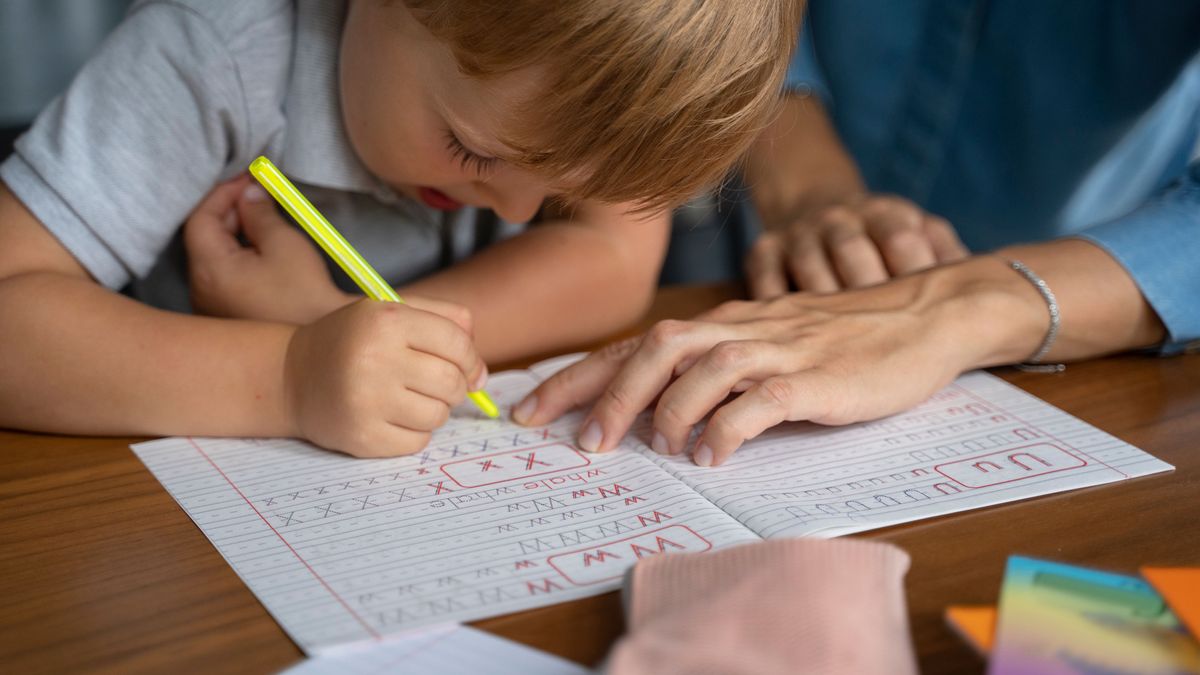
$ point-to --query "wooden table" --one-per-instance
(100, 570)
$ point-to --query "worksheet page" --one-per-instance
(493, 518)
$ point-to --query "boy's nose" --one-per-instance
(514, 195)
(518, 205)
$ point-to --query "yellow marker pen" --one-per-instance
(333, 243)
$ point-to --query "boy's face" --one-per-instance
(427, 130)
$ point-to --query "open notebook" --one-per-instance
(493, 518)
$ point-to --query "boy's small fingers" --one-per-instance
(390, 440)
(439, 337)
(434, 377)
(418, 412)
(457, 313)
(222, 198)
(212, 227)
(259, 217)
(477, 378)
(205, 235)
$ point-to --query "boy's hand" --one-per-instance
(281, 276)
(374, 379)
(860, 242)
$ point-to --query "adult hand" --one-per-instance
(281, 276)
(855, 243)
(829, 359)
(374, 379)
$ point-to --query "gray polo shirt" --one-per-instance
(183, 95)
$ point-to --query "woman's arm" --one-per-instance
(847, 357)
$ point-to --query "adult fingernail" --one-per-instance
(592, 435)
(659, 444)
(254, 193)
(703, 455)
(524, 411)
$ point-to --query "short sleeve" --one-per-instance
(1158, 244)
(114, 165)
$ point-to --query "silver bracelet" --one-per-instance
(1033, 364)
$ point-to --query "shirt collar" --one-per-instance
(316, 148)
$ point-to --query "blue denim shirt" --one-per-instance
(1026, 120)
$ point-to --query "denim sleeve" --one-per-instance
(1159, 245)
(804, 73)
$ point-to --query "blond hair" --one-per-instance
(647, 101)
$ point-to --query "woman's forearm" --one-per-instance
(798, 164)
(1102, 311)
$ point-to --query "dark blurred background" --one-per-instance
(42, 44)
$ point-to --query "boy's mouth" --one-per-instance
(437, 199)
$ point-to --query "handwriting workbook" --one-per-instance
(493, 518)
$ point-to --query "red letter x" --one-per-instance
(530, 461)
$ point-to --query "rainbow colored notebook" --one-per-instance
(1060, 619)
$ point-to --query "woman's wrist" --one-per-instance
(1103, 310)
(992, 314)
(997, 316)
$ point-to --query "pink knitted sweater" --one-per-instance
(781, 606)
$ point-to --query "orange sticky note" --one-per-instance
(1180, 587)
(975, 623)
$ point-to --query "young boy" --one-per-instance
(405, 122)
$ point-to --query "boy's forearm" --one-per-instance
(555, 286)
(77, 358)
(799, 164)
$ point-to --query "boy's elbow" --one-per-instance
(643, 297)
(628, 256)
(639, 278)
(633, 287)
(630, 309)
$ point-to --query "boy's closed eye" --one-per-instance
(470, 160)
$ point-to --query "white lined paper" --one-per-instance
(494, 518)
